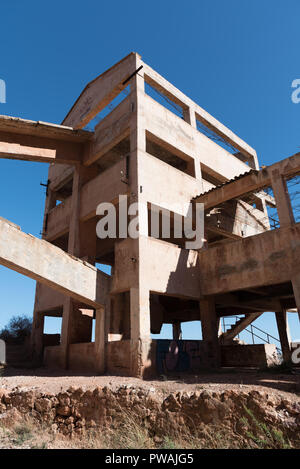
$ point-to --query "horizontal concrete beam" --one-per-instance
(59, 146)
(183, 139)
(265, 259)
(51, 266)
(14, 151)
(250, 183)
(165, 87)
(27, 127)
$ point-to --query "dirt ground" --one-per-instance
(44, 380)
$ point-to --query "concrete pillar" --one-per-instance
(119, 324)
(100, 340)
(68, 334)
(139, 329)
(37, 334)
(190, 117)
(139, 295)
(296, 288)
(177, 332)
(282, 198)
(210, 329)
(284, 334)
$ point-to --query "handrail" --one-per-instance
(237, 318)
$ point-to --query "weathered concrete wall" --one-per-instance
(177, 274)
(266, 259)
(260, 355)
(53, 357)
(179, 134)
(118, 357)
(82, 356)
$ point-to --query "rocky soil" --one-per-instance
(237, 413)
(236, 409)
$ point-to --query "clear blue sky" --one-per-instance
(236, 58)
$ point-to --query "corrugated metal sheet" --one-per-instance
(252, 171)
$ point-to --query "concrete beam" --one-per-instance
(165, 87)
(250, 183)
(100, 92)
(51, 266)
(22, 139)
(15, 125)
(13, 151)
(185, 141)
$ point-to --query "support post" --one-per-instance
(282, 198)
(284, 334)
(177, 332)
(210, 329)
(100, 341)
(296, 288)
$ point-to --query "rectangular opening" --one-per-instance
(164, 98)
(164, 152)
(293, 187)
(112, 156)
(211, 178)
(221, 141)
(64, 191)
(272, 210)
(108, 109)
(52, 330)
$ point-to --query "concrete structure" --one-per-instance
(151, 155)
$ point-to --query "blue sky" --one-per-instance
(236, 58)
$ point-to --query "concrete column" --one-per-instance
(177, 332)
(210, 329)
(74, 249)
(282, 198)
(139, 330)
(190, 117)
(296, 288)
(37, 334)
(139, 314)
(284, 334)
(74, 241)
(100, 341)
(139, 294)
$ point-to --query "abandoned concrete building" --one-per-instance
(154, 145)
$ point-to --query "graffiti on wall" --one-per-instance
(179, 355)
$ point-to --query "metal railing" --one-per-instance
(253, 332)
